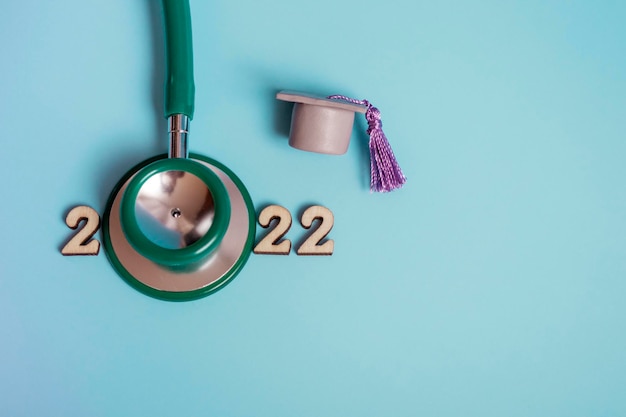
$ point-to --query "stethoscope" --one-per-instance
(180, 226)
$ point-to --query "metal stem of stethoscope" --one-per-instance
(178, 127)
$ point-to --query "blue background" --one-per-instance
(493, 284)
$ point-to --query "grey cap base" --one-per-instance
(320, 129)
(319, 124)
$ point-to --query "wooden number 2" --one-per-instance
(82, 243)
(274, 244)
(312, 246)
(271, 244)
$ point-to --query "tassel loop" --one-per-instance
(373, 119)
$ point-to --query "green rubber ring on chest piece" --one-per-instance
(197, 251)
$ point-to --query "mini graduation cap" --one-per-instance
(324, 125)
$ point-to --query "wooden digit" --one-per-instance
(312, 246)
(82, 243)
(272, 244)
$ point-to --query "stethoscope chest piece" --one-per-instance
(175, 212)
(204, 267)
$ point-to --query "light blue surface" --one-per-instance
(493, 284)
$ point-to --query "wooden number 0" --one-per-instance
(271, 244)
(82, 243)
(312, 246)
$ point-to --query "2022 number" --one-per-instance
(83, 243)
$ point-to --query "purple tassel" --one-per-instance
(386, 174)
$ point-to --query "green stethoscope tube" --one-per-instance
(179, 81)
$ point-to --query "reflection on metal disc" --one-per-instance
(174, 209)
